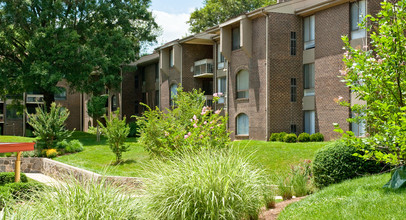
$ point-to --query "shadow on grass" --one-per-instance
(124, 162)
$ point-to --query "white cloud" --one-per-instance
(174, 25)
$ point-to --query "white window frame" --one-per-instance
(357, 12)
(222, 88)
(309, 122)
(243, 84)
(308, 79)
(171, 61)
(309, 31)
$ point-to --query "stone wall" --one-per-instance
(62, 171)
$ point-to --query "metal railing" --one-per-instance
(203, 67)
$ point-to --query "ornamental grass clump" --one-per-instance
(92, 199)
(209, 184)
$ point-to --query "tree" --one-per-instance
(84, 42)
(215, 12)
(96, 108)
(377, 74)
(116, 131)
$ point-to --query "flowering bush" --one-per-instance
(190, 125)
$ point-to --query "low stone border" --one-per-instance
(62, 171)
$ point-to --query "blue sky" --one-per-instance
(172, 15)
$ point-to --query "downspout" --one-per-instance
(267, 74)
(81, 112)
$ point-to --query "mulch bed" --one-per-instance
(272, 214)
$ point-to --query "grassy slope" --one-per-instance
(362, 198)
(275, 157)
(15, 139)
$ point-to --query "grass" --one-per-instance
(15, 139)
(362, 198)
(274, 157)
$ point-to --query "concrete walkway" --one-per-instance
(43, 178)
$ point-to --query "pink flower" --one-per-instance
(194, 117)
(186, 136)
(189, 133)
(201, 136)
(211, 127)
(217, 112)
(339, 98)
(215, 95)
(194, 125)
(220, 94)
(343, 72)
(166, 134)
(380, 61)
(205, 122)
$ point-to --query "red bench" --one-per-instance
(16, 147)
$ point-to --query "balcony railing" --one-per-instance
(203, 68)
(35, 99)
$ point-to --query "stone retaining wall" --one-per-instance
(62, 171)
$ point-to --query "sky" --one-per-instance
(171, 16)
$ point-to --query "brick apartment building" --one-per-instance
(277, 67)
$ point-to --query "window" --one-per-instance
(309, 32)
(243, 84)
(308, 79)
(220, 58)
(310, 122)
(136, 82)
(173, 91)
(242, 124)
(293, 90)
(236, 38)
(293, 43)
(113, 103)
(293, 129)
(221, 88)
(157, 98)
(358, 12)
(61, 95)
(171, 63)
(359, 129)
(156, 73)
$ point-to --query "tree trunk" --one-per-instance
(98, 133)
(48, 99)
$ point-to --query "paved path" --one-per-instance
(43, 178)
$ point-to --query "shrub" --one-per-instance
(74, 146)
(301, 181)
(274, 137)
(209, 184)
(10, 177)
(51, 153)
(303, 137)
(49, 127)
(190, 125)
(281, 137)
(285, 187)
(87, 200)
(317, 137)
(23, 191)
(133, 129)
(290, 138)
(116, 131)
(335, 163)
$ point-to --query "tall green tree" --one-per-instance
(96, 108)
(377, 74)
(82, 41)
(215, 12)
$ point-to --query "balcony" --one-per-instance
(203, 68)
(1, 118)
(209, 100)
(35, 99)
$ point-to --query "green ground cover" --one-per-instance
(362, 198)
(275, 157)
(15, 139)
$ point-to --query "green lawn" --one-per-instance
(274, 157)
(362, 198)
(15, 139)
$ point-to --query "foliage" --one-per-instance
(274, 137)
(11, 193)
(290, 138)
(6, 177)
(285, 187)
(317, 137)
(134, 132)
(116, 132)
(83, 42)
(282, 136)
(191, 125)
(215, 12)
(361, 198)
(72, 146)
(335, 163)
(49, 127)
(301, 178)
(51, 153)
(93, 199)
(303, 137)
(376, 74)
(209, 184)
(96, 108)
